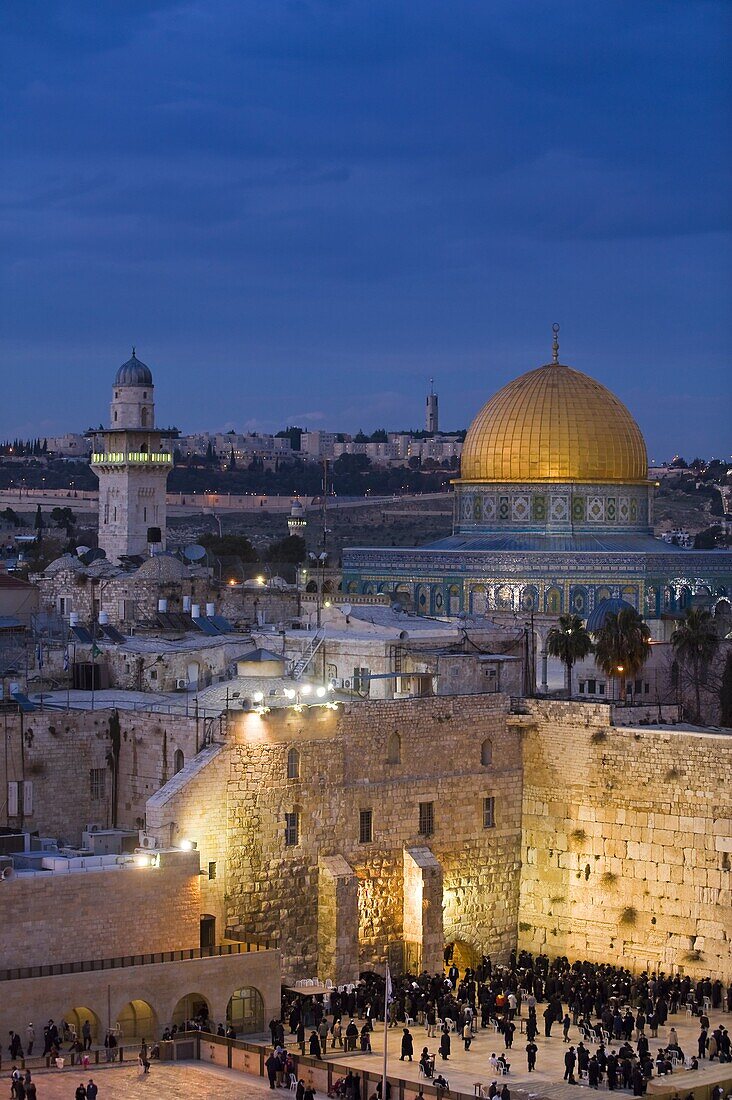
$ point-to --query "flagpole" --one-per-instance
(387, 992)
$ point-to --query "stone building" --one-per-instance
(333, 829)
(121, 948)
(132, 459)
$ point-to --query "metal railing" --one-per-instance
(91, 965)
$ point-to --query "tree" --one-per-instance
(236, 546)
(39, 524)
(695, 641)
(570, 642)
(290, 549)
(64, 517)
(622, 644)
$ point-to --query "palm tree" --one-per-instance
(622, 644)
(695, 641)
(570, 642)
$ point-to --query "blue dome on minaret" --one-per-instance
(133, 373)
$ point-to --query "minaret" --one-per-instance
(132, 460)
(431, 421)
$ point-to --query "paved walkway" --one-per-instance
(463, 1068)
(166, 1081)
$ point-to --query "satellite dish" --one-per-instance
(81, 550)
(194, 552)
(346, 609)
(397, 608)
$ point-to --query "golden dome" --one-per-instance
(554, 424)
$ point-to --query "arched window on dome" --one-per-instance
(630, 595)
(486, 752)
(478, 599)
(293, 764)
(394, 749)
(504, 598)
(554, 601)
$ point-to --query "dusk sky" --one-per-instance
(300, 211)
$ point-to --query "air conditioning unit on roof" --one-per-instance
(148, 842)
(181, 684)
(93, 827)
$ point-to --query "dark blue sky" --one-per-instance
(301, 210)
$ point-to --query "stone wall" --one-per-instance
(344, 767)
(193, 806)
(102, 995)
(57, 750)
(626, 841)
(100, 914)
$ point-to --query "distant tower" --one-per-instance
(132, 460)
(296, 521)
(431, 420)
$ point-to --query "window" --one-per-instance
(293, 764)
(65, 605)
(292, 830)
(602, 687)
(212, 870)
(394, 749)
(178, 761)
(486, 752)
(426, 818)
(98, 783)
(365, 826)
(127, 610)
(361, 678)
(489, 812)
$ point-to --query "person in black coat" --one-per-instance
(531, 1049)
(570, 1060)
(407, 1045)
(593, 1073)
(445, 1044)
(315, 1051)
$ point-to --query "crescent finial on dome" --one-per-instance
(555, 344)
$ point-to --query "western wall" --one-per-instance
(626, 841)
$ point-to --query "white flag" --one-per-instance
(388, 995)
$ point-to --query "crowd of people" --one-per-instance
(594, 1005)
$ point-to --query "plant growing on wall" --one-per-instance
(629, 916)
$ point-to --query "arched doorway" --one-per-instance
(193, 1006)
(464, 955)
(245, 1011)
(138, 1020)
(77, 1017)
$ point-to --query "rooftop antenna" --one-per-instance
(555, 344)
(133, 351)
(432, 386)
